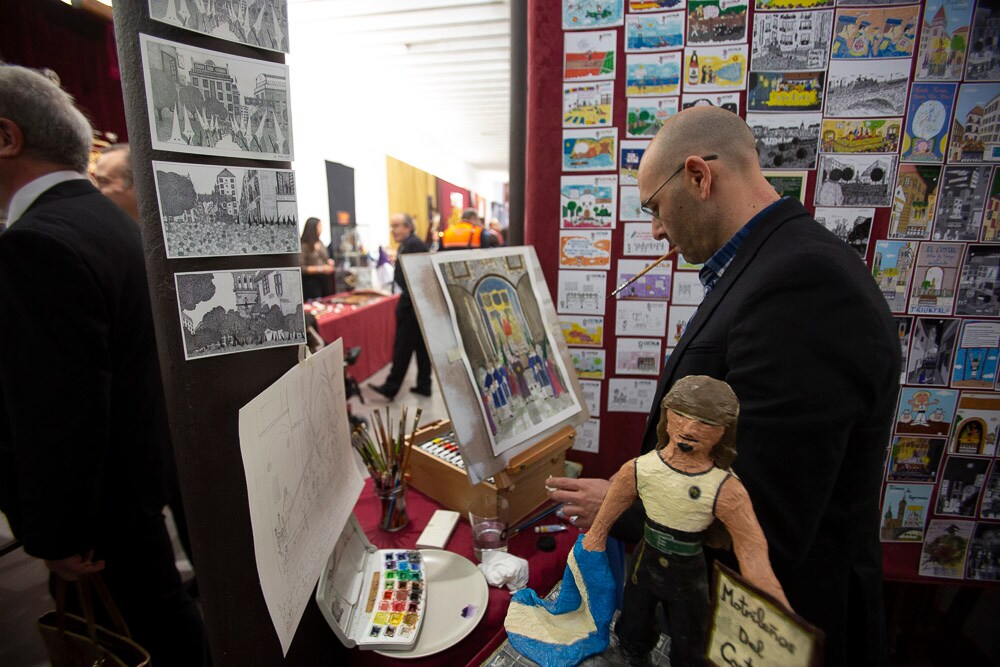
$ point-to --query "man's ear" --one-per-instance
(700, 174)
(11, 139)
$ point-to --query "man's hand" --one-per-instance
(74, 567)
(582, 497)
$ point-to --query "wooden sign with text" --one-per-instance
(749, 628)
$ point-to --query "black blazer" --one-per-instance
(410, 244)
(82, 423)
(798, 328)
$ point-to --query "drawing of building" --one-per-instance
(264, 288)
(214, 82)
(938, 59)
(984, 47)
(267, 196)
(187, 322)
(271, 91)
(960, 201)
(911, 205)
(225, 190)
(991, 217)
(164, 58)
(783, 41)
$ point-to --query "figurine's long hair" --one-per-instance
(709, 400)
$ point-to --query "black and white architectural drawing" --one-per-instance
(855, 179)
(791, 41)
(260, 23)
(961, 198)
(855, 90)
(786, 141)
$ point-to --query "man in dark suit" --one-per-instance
(83, 418)
(796, 325)
(409, 340)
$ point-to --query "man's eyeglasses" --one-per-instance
(644, 207)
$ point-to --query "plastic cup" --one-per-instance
(488, 514)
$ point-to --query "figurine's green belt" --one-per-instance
(667, 543)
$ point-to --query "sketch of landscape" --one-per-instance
(224, 312)
(862, 89)
(211, 211)
(260, 23)
(212, 103)
(785, 141)
(855, 179)
(301, 481)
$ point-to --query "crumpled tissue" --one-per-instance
(503, 569)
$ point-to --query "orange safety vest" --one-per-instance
(461, 235)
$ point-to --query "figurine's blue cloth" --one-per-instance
(576, 625)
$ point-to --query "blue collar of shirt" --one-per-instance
(712, 271)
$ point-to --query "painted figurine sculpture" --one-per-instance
(685, 486)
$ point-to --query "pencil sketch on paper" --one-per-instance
(863, 89)
(853, 226)
(260, 23)
(224, 312)
(790, 41)
(785, 141)
(855, 179)
(212, 103)
(210, 211)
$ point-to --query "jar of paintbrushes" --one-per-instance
(386, 454)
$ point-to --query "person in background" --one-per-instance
(468, 233)
(113, 177)
(409, 340)
(81, 466)
(497, 230)
(317, 267)
(796, 325)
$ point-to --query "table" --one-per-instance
(372, 326)
(545, 569)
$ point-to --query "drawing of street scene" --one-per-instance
(790, 41)
(260, 23)
(855, 89)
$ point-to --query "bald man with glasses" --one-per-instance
(798, 328)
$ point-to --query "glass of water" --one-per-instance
(488, 514)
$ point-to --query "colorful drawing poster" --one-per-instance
(914, 459)
(654, 32)
(974, 132)
(904, 326)
(640, 318)
(717, 21)
(646, 115)
(991, 217)
(727, 101)
(687, 289)
(867, 89)
(869, 32)
(928, 121)
(913, 201)
(592, 396)
(588, 202)
(785, 5)
(978, 287)
(639, 6)
(631, 154)
(631, 205)
(961, 199)
(929, 362)
(589, 364)
(790, 41)
(976, 357)
(588, 104)
(983, 562)
(946, 545)
(582, 330)
(856, 135)
(655, 284)
(892, 267)
(626, 395)
(679, 318)
(935, 277)
(853, 226)
(588, 436)
(684, 265)
(593, 149)
(855, 179)
(962, 482)
(582, 292)
(983, 62)
(976, 422)
(991, 496)
(904, 512)
(652, 74)
(788, 183)
(639, 241)
(638, 356)
(583, 249)
(590, 56)
(710, 68)
(786, 141)
(785, 91)
(943, 39)
(584, 14)
(926, 412)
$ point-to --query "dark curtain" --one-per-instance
(78, 46)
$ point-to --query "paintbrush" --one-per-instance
(670, 253)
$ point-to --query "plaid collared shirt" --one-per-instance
(712, 271)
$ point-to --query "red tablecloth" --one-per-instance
(545, 569)
(372, 326)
